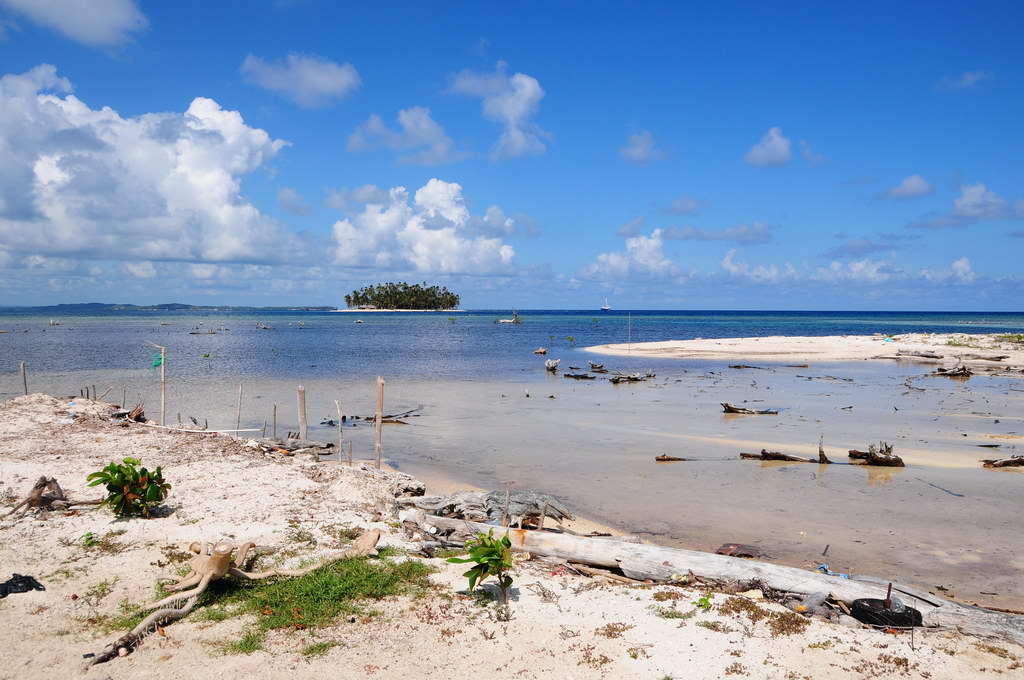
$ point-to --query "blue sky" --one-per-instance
(529, 154)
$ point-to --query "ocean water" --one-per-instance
(430, 346)
(488, 415)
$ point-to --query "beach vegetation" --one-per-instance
(313, 600)
(493, 557)
(107, 543)
(402, 296)
(1011, 337)
(318, 648)
(703, 602)
(131, 490)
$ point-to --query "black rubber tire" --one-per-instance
(874, 613)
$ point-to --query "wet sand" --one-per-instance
(941, 521)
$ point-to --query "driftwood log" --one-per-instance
(959, 371)
(489, 507)
(47, 494)
(579, 376)
(881, 455)
(286, 444)
(730, 408)
(987, 357)
(665, 458)
(1013, 461)
(923, 354)
(775, 455)
(657, 563)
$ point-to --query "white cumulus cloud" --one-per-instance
(86, 183)
(432, 234)
(642, 259)
(95, 22)
(975, 203)
(418, 131)
(308, 81)
(914, 185)
(510, 101)
(640, 149)
(773, 149)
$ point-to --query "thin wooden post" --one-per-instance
(378, 417)
(124, 396)
(163, 385)
(106, 393)
(350, 454)
(543, 515)
(238, 411)
(24, 379)
(94, 393)
(302, 412)
(275, 422)
(264, 429)
(504, 512)
(341, 428)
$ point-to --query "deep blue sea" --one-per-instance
(430, 346)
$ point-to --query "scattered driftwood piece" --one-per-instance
(665, 458)
(658, 563)
(489, 506)
(740, 550)
(552, 364)
(1013, 461)
(759, 368)
(924, 354)
(579, 376)
(775, 455)
(47, 495)
(987, 357)
(541, 350)
(959, 371)
(595, 367)
(283, 444)
(603, 573)
(880, 455)
(631, 377)
(730, 408)
(138, 414)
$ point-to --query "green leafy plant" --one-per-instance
(493, 557)
(571, 339)
(131, 490)
(703, 602)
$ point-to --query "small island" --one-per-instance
(402, 296)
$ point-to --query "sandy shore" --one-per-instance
(828, 348)
(563, 625)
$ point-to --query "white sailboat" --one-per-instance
(605, 307)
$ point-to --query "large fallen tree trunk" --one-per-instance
(657, 563)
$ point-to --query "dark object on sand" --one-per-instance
(729, 408)
(19, 584)
(880, 455)
(924, 354)
(958, 371)
(665, 458)
(1013, 461)
(740, 550)
(579, 376)
(876, 613)
(775, 455)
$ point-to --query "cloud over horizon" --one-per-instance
(418, 131)
(772, 150)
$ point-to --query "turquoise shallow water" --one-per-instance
(429, 346)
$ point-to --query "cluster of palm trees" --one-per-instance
(402, 296)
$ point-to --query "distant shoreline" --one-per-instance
(370, 311)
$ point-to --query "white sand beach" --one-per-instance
(562, 625)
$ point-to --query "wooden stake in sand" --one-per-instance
(275, 422)
(341, 426)
(377, 418)
(302, 412)
(350, 454)
(238, 411)
(24, 379)
(163, 381)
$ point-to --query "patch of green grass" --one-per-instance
(249, 643)
(998, 651)
(960, 342)
(445, 553)
(716, 626)
(318, 648)
(673, 613)
(737, 606)
(1011, 337)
